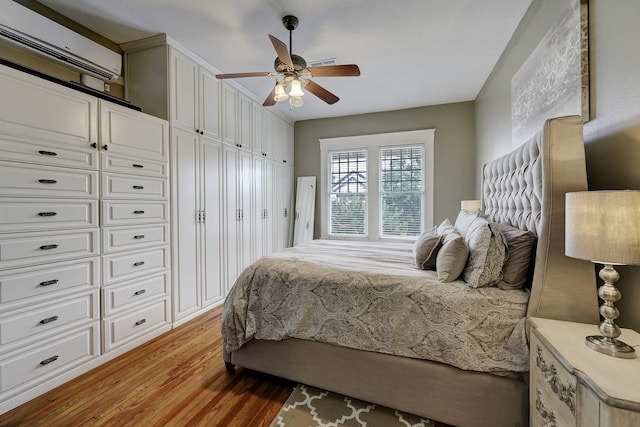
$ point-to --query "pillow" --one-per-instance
(487, 253)
(521, 249)
(426, 248)
(445, 227)
(451, 258)
(464, 221)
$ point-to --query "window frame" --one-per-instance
(373, 144)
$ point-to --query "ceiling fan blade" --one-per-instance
(348, 70)
(321, 92)
(237, 75)
(282, 51)
(271, 98)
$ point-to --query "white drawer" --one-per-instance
(130, 265)
(45, 214)
(45, 318)
(111, 163)
(22, 249)
(131, 238)
(121, 329)
(22, 180)
(27, 150)
(116, 213)
(133, 293)
(39, 363)
(29, 285)
(115, 186)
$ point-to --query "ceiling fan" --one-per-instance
(294, 74)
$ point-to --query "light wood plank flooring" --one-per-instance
(177, 379)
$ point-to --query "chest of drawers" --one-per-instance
(572, 385)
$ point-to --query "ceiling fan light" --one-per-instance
(296, 88)
(280, 95)
(296, 101)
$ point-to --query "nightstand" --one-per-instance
(572, 385)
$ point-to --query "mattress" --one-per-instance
(370, 296)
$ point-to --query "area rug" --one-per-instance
(311, 407)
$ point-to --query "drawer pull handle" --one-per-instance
(138, 187)
(140, 292)
(47, 153)
(138, 264)
(138, 212)
(47, 213)
(47, 181)
(140, 322)
(136, 165)
(49, 320)
(49, 360)
(49, 282)
(138, 236)
(47, 247)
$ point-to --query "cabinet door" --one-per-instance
(211, 232)
(229, 115)
(231, 215)
(268, 134)
(133, 134)
(258, 129)
(210, 102)
(41, 110)
(184, 204)
(244, 188)
(245, 125)
(259, 210)
(269, 194)
(183, 87)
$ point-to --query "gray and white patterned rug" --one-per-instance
(311, 407)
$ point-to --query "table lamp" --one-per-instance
(604, 227)
(470, 205)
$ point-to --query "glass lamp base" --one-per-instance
(610, 346)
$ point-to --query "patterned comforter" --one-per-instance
(370, 296)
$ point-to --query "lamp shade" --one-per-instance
(470, 205)
(296, 88)
(603, 226)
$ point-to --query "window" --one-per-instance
(401, 195)
(348, 193)
(377, 186)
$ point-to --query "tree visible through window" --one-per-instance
(401, 191)
(348, 192)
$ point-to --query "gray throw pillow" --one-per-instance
(451, 258)
(487, 253)
(426, 248)
(521, 246)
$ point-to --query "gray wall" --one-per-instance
(454, 148)
(612, 137)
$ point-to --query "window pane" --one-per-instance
(401, 191)
(348, 214)
(348, 193)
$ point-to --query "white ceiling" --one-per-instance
(411, 53)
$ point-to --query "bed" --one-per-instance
(431, 373)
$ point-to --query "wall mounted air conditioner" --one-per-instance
(30, 30)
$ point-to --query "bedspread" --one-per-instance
(302, 293)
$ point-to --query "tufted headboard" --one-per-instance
(526, 188)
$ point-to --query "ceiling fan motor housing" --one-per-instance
(290, 22)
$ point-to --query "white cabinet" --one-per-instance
(49, 236)
(135, 243)
(245, 122)
(572, 385)
(194, 97)
(197, 211)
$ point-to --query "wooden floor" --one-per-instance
(178, 379)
